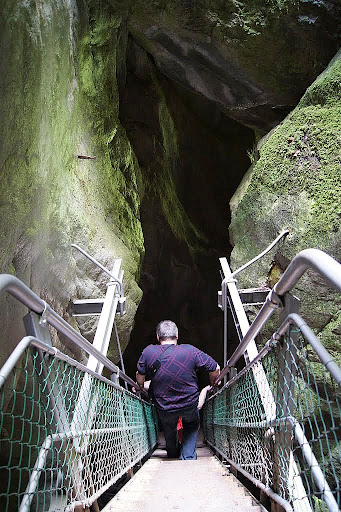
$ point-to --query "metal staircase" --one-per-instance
(192, 486)
(67, 433)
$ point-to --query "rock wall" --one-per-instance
(295, 183)
(253, 59)
(61, 63)
(192, 159)
(167, 113)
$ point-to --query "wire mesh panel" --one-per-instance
(66, 435)
(296, 449)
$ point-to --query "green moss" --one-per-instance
(11, 269)
(247, 16)
(59, 100)
(117, 186)
(242, 29)
(37, 149)
(296, 184)
(163, 184)
(326, 88)
(302, 158)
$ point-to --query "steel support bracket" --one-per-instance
(36, 326)
(274, 300)
(122, 306)
(114, 377)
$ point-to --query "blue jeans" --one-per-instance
(190, 421)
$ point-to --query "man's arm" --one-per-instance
(206, 362)
(213, 375)
(140, 379)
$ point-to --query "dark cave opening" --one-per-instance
(180, 274)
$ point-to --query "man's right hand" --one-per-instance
(213, 375)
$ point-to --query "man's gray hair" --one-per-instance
(167, 330)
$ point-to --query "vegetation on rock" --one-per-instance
(59, 86)
(63, 80)
(296, 184)
(254, 59)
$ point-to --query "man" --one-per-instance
(175, 386)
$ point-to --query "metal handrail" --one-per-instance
(293, 319)
(71, 433)
(229, 279)
(53, 351)
(334, 370)
(315, 343)
(256, 258)
(26, 296)
(91, 258)
(314, 259)
(309, 458)
(330, 270)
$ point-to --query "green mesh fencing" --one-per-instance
(280, 422)
(66, 435)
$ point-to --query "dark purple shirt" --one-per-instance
(175, 383)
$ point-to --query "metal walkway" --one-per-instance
(187, 486)
(68, 434)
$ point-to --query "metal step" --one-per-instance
(254, 296)
(193, 486)
(87, 307)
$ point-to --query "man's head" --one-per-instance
(166, 330)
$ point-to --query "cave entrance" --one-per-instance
(192, 158)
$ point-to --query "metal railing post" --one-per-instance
(117, 279)
(85, 409)
(283, 459)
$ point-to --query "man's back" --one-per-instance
(175, 386)
(175, 383)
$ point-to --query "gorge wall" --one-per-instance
(295, 181)
(170, 97)
(61, 65)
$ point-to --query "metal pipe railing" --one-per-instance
(91, 258)
(283, 234)
(261, 354)
(314, 466)
(335, 371)
(31, 340)
(330, 270)
(14, 358)
(326, 359)
(315, 259)
(271, 304)
(229, 279)
(321, 351)
(309, 457)
(26, 296)
(75, 433)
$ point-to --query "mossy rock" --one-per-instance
(252, 58)
(60, 77)
(295, 184)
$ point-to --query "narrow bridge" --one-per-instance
(68, 433)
